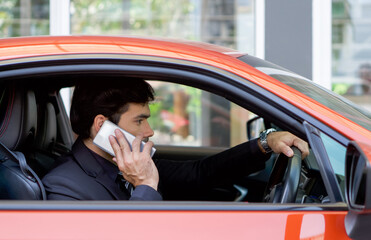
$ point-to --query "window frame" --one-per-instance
(224, 83)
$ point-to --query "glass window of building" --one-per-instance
(24, 18)
(228, 23)
(351, 50)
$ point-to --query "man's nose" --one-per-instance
(148, 132)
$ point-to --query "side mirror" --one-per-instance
(254, 127)
(358, 192)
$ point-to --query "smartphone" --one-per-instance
(108, 128)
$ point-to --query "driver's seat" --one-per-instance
(18, 121)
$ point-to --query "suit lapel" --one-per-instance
(93, 168)
(111, 186)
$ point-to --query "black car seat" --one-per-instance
(43, 156)
(18, 123)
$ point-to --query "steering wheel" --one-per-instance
(283, 182)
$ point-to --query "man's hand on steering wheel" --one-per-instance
(281, 142)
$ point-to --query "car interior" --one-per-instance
(35, 131)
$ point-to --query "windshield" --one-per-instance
(331, 100)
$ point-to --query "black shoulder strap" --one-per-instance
(7, 154)
(19, 158)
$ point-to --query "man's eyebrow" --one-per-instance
(143, 116)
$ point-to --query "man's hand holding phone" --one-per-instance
(137, 167)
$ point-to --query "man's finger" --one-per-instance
(136, 143)
(287, 151)
(117, 150)
(148, 147)
(303, 147)
(124, 145)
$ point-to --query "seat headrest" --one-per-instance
(47, 129)
(18, 116)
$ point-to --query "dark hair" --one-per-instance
(109, 97)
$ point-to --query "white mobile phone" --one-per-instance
(108, 128)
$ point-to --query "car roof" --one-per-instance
(42, 46)
(50, 45)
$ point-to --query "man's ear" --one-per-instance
(98, 122)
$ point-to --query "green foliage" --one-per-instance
(11, 24)
(340, 88)
(135, 17)
(6, 17)
(155, 119)
(165, 102)
(194, 104)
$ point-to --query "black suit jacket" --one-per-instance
(79, 176)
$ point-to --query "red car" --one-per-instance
(209, 98)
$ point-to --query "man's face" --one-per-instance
(134, 120)
(365, 73)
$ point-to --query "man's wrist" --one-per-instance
(151, 184)
(263, 140)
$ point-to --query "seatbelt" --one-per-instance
(19, 158)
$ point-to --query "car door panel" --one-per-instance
(175, 224)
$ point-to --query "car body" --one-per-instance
(336, 205)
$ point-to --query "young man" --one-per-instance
(89, 173)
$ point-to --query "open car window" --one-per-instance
(187, 116)
(187, 119)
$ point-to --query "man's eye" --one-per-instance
(139, 121)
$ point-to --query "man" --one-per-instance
(89, 173)
(364, 86)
